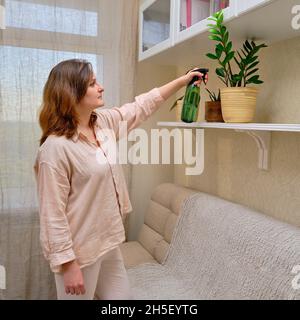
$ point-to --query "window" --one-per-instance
(21, 96)
(51, 18)
(26, 57)
(21, 88)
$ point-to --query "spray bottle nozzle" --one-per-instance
(204, 71)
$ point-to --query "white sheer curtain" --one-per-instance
(38, 34)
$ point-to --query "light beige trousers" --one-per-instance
(106, 279)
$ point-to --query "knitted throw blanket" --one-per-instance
(222, 250)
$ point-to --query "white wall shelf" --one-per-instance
(235, 126)
(260, 132)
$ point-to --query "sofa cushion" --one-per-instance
(161, 250)
(134, 254)
(157, 216)
(169, 227)
(149, 238)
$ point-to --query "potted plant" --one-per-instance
(213, 112)
(238, 100)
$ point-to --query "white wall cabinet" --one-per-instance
(155, 27)
(164, 23)
(191, 16)
(173, 27)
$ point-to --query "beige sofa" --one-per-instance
(159, 222)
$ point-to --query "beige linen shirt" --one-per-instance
(82, 192)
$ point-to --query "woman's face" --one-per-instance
(94, 95)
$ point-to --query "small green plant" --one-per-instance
(247, 60)
(213, 96)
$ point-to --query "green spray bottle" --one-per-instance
(191, 100)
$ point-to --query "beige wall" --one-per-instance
(231, 158)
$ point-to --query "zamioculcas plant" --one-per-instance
(246, 59)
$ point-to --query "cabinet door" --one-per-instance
(244, 6)
(191, 15)
(155, 27)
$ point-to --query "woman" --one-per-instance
(82, 200)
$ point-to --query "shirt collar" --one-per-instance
(77, 133)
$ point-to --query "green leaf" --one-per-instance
(219, 50)
(259, 46)
(254, 51)
(254, 78)
(248, 45)
(221, 16)
(251, 72)
(218, 54)
(226, 36)
(212, 95)
(228, 57)
(237, 62)
(244, 53)
(220, 46)
(175, 103)
(229, 47)
(220, 72)
(236, 77)
(254, 81)
(223, 30)
(236, 80)
(252, 65)
(252, 59)
(212, 56)
(216, 38)
(214, 31)
(245, 48)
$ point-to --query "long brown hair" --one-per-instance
(67, 84)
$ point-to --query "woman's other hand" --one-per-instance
(73, 278)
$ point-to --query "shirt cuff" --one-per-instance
(57, 259)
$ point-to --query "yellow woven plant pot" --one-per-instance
(238, 104)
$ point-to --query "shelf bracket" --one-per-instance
(263, 142)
